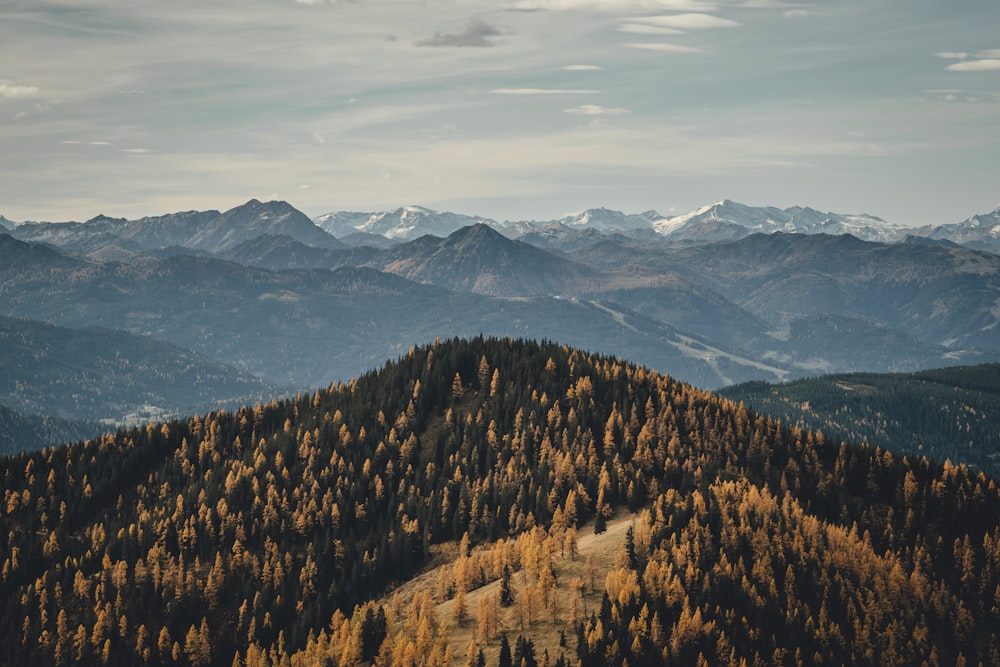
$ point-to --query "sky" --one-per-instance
(517, 110)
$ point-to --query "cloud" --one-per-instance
(595, 110)
(691, 21)
(582, 68)
(795, 13)
(952, 55)
(11, 91)
(664, 46)
(618, 6)
(643, 29)
(542, 91)
(135, 150)
(988, 53)
(477, 33)
(987, 65)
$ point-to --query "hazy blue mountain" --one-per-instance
(942, 413)
(105, 374)
(20, 432)
(308, 328)
(209, 231)
(279, 252)
(480, 259)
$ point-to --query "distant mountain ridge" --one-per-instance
(479, 259)
(104, 374)
(724, 294)
(981, 232)
(403, 224)
(210, 231)
(728, 221)
(305, 328)
(725, 220)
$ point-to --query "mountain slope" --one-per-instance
(943, 295)
(981, 232)
(305, 328)
(209, 231)
(480, 259)
(263, 532)
(947, 413)
(277, 252)
(729, 221)
(104, 374)
(21, 433)
(403, 224)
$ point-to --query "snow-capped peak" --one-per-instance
(402, 224)
(728, 219)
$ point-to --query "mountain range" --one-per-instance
(264, 291)
(725, 220)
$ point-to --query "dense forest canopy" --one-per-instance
(946, 413)
(265, 536)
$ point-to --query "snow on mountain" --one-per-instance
(729, 220)
(606, 220)
(406, 223)
(6, 224)
(981, 232)
(210, 231)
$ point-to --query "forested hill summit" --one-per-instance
(269, 535)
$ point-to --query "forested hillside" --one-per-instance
(20, 432)
(262, 537)
(948, 413)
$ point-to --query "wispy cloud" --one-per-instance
(542, 91)
(11, 91)
(986, 60)
(690, 21)
(582, 68)
(135, 150)
(595, 110)
(985, 65)
(618, 6)
(476, 33)
(645, 29)
(664, 46)
(795, 13)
